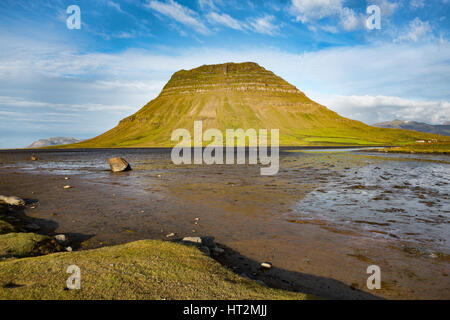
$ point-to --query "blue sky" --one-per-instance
(55, 81)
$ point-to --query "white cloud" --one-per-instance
(179, 13)
(224, 19)
(207, 4)
(417, 3)
(310, 10)
(373, 109)
(264, 25)
(417, 29)
(387, 7)
(349, 20)
(115, 6)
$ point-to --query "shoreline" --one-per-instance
(104, 209)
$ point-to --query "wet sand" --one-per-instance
(321, 221)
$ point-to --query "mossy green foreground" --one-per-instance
(17, 245)
(146, 269)
(246, 96)
(437, 148)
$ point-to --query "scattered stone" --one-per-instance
(12, 201)
(159, 176)
(61, 238)
(34, 158)
(66, 178)
(266, 265)
(196, 240)
(69, 249)
(67, 187)
(170, 235)
(119, 165)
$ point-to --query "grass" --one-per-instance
(26, 244)
(223, 105)
(438, 148)
(146, 269)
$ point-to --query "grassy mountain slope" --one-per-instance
(243, 95)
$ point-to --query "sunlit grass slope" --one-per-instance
(146, 269)
(245, 95)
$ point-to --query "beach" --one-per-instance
(321, 221)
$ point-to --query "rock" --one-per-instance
(66, 178)
(32, 226)
(170, 235)
(67, 187)
(196, 240)
(12, 201)
(266, 265)
(218, 251)
(119, 165)
(61, 238)
(69, 249)
(34, 158)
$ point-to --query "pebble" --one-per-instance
(170, 235)
(193, 240)
(69, 249)
(67, 187)
(266, 265)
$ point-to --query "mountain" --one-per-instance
(416, 126)
(241, 95)
(52, 142)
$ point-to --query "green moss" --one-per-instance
(137, 270)
(26, 244)
(438, 148)
(6, 227)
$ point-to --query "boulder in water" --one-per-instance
(119, 165)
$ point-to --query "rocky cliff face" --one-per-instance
(247, 76)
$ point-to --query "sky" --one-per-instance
(61, 81)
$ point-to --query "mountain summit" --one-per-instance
(241, 95)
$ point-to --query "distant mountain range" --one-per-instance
(443, 129)
(56, 141)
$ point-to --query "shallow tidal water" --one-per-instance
(326, 212)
